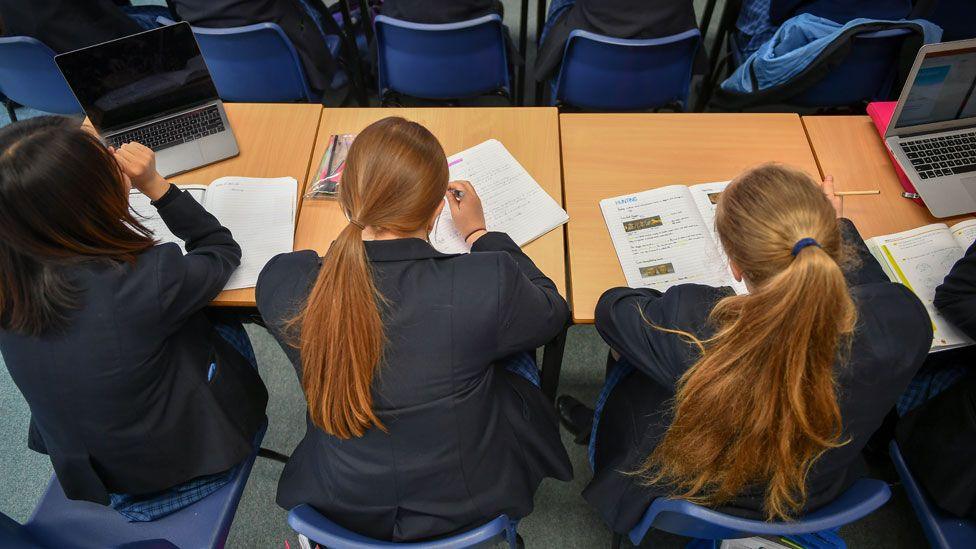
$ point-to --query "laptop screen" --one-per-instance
(942, 90)
(139, 77)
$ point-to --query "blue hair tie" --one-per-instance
(803, 243)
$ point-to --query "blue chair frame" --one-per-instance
(60, 522)
(305, 520)
(942, 530)
(442, 62)
(257, 63)
(687, 519)
(873, 59)
(29, 76)
(604, 73)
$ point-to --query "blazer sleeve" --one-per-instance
(531, 311)
(629, 320)
(188, 283)
(956, 296)
(866, 269)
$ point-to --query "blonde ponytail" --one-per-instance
(760, 406)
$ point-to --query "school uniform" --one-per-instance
(120, 398)
(938, 439)
(616, 18)
(891, 340)
(467, 440)
(298, 23)
(437, 12)
(65, 25)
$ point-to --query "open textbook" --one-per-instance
(666, 236)
(920, 259)
(260, 213)
(513, 201)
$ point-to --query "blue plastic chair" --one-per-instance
(941, 529)
(29, 76)
(604, 73)
(60, 522)
(867, 73)
(687, 519)
(452, 61)
(310, 523)
(258, 63)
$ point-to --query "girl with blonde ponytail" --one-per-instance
(414, 363)
(760, 402)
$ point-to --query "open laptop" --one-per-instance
(154, 88)
(932, 133)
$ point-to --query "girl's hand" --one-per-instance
(468, 215)
(138, 163)
(835, 201)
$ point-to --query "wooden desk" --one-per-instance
(531, 134)
(849, 148)
(606, 155)
(275, 141)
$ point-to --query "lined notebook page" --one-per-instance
(260, 213)
(149, 218)
(513, 201)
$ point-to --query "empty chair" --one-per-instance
(941, 529)
(60, 522)
(310, 523)
(687, 519)
(29, 76)
(604, 73)
(449, 61)
(866, 74)
(258, 63)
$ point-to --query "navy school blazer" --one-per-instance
(467, 440)
(120, 399)
(891, 340)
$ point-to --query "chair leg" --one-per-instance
(616, 540)
(272, 455)
(552, 364)
(11, 112)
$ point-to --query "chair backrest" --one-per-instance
(865, 74)
(841, 11)
(942, 530)
(687, 519)
(254, 63)
(451, 61)
(29, 76)
(310, 523)
(604, 73)
(956, 17)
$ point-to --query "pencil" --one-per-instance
(856, 193)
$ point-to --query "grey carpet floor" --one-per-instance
(561, 518)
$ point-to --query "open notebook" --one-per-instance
(920, 259)
(260, 213)
(513, 201)
(666, 236)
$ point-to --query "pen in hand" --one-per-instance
(458, 195)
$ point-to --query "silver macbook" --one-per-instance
(932, 133)
(154, 88)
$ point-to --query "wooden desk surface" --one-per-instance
(606, 155)
(849, 148)
(275, 140)
(530, 134)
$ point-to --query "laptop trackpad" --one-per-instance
(179, 159)
(969, 183)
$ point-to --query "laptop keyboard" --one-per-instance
(173, 131)
(941, 156)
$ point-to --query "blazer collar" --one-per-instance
(401, 249)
